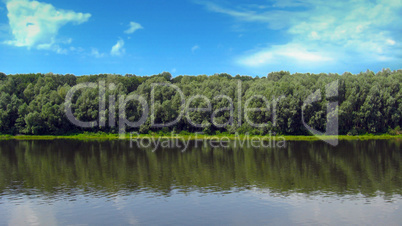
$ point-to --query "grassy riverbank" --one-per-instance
(108, 136)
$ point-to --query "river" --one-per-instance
(72, 182)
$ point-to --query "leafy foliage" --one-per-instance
(367, 102)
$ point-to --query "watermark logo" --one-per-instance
(183, 143)
(331, 90)
(119, 102)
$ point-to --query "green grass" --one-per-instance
(109, 136)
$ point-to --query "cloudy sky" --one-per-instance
(199, 37)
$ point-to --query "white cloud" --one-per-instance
(391, 42)
(276, 19)
(118, 50)
(133, 27)
(283, 53)
(36, 24)
(348, 31)
(95, 52)
(76, 49)
(194, 48)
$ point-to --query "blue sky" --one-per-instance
(199, 37)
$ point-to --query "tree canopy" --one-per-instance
(367, 102)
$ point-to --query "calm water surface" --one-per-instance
(67, 182)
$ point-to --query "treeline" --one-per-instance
(367, 103)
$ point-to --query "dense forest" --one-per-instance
(368, 102)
